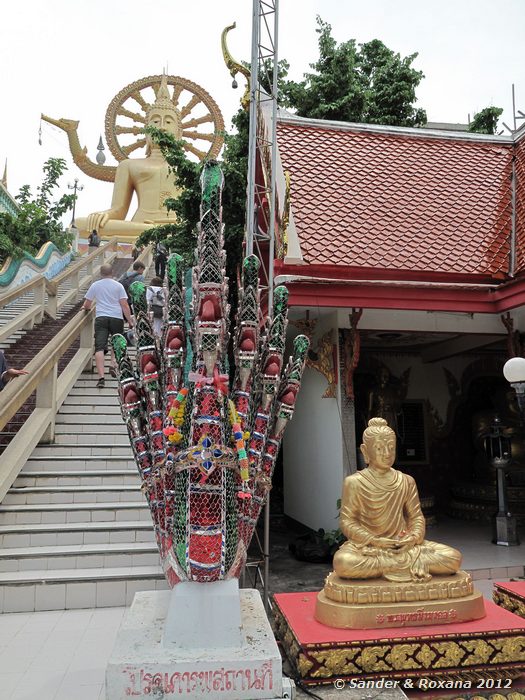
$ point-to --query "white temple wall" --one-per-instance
(313, 459)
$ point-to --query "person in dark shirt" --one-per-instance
(7, 373)
(93, 239)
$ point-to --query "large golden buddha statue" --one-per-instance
(149, 177)
(387, 569)
(185, 112)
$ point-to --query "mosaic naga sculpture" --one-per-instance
(205, 452)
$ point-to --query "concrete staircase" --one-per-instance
(75, 531)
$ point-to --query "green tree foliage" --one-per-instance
(367, 83)
(180, 236)
(486, 121)
(39, 217)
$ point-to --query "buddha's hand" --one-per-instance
(384, 543)
(97, 220)
(407, 541)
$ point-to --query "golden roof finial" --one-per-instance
(4, 176)
(235, 67)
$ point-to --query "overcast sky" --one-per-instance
(68, 58)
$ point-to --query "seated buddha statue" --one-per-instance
(382, 520)
(387, 573)
(147, 177)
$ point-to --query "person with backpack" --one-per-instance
(134, 275)
(156, 299)
(161, 258)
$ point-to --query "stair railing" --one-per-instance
(33, 293)
(51, 391)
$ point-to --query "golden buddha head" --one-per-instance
(379, 444)
(163, 114)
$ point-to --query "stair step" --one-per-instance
(77, 477)
(84, 462)
(27, 591)
(85, 556)
(99, 419)
(77, 449)
(107, 440)
(80, 453)
(54, 576)
(91, 401)
(86, 410)
(91, 428)
(89, 381)
(72, 494)
(73, 512)
(77, 533)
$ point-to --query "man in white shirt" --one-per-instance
(112, 306)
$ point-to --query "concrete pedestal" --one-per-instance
(216, 605)
(150, 660)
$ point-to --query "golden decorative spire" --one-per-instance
(163, 99)
(4, 176)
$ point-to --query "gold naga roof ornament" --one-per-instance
(235, 67)
(201, 124)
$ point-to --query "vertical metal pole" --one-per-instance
(74, 201)
(271, 251)
(514, 106)
(252, 138)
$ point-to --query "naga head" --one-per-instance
(67, 125)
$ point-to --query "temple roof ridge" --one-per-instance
(285, 117)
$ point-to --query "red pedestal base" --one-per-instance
(492, 647)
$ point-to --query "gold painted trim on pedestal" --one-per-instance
(511, 603)
(379, 591)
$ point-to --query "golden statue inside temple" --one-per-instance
(386, 573)
(184, 113)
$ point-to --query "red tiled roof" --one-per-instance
(520, 204)
(399, 201)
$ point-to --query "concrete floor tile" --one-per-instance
(75, 619)
(91, 675)
(37, 686)
(82, 692)
(480, 574)
(11, 660)
(8, 682)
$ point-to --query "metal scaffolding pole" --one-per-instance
(265, 21)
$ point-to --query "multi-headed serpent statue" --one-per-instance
(205, 451)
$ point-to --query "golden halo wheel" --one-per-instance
(201, 122)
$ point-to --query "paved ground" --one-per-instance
(62, 655)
